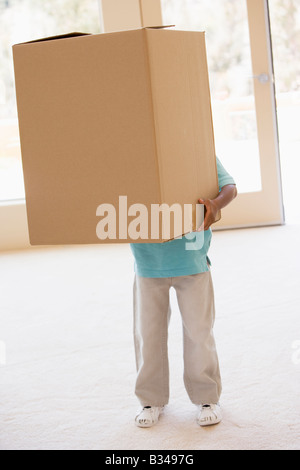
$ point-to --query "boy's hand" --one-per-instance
(211, 213)
(213, 206)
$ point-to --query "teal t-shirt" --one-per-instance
(179, 257)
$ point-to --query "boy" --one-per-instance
(159, 266)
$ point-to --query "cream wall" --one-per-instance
(13, 226)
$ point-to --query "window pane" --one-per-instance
(230, 71)
(285, 27)
(20, 21)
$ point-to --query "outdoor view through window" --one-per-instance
(229, 60)
(231, 80)
(21, 21)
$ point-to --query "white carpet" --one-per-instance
(66, 321)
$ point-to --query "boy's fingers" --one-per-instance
(201, 228)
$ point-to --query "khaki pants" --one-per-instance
(152, 312)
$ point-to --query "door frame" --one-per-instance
(263, 207)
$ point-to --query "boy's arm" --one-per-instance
(212, 206)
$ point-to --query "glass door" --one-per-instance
(243, 102)
(285, 27)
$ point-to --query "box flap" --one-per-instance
(79, 34)
(160, 27)
(53, 38)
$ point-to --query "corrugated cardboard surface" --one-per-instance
(106, 115)
(183, 120)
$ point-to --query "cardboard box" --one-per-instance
(118, 118)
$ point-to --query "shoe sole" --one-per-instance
(140, 425)
(206, 424)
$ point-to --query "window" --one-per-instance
(231, 81)
(21, 21)
(285, 27)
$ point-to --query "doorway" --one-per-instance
(239, 50)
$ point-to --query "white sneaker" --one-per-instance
(148, 416)
(209, 415)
